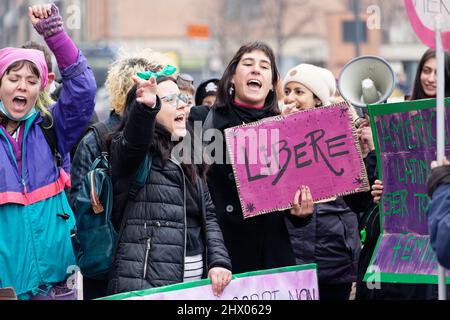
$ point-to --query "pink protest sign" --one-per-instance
(272, 158)
(422, 14)
(289, 283)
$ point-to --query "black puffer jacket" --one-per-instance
(152, 245)
(330, 238)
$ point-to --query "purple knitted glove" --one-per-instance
(52, 25)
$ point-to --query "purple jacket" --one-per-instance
(39, 178)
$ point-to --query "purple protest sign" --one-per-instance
(272, 158)
(407, 254)
(406, 144)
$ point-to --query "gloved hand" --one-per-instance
(46, 19)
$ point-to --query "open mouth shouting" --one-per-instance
(19, 103)
(254, 84)
(179, 126)
(181, 119)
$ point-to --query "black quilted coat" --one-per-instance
(152, 246)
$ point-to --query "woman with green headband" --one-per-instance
(118, 85)
(169, 232)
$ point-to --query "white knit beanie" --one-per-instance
(319, 80)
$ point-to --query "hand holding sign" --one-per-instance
(306, 208)
(288, 109)
(436, 164)
(364, 133)
(220, 278)
(377, 191)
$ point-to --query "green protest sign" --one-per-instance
(405, 143)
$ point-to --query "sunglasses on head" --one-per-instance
(184, 78)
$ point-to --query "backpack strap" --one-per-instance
(101, 132)
(50, 135)
(141, 177)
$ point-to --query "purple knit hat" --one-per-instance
(8, 56)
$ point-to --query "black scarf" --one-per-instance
(248, 115)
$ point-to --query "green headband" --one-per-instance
(166, 72)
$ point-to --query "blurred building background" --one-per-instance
(201, 35)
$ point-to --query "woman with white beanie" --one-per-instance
(328, 234)
(307, 86)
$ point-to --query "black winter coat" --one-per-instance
(330, 238)
(256, 243)
(152, 244)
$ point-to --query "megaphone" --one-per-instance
(366, 80)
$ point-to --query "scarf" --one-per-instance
(244, 114)
(3, 110)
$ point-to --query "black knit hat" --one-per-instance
(206, 88)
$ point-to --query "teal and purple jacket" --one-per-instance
(35, 217)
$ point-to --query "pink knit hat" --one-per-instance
(8, 56)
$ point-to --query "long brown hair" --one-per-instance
(224, 98)
(418, 92)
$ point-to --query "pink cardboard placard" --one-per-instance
(272, 158)
(294, 285)
(297, 282)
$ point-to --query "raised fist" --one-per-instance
(46, 19)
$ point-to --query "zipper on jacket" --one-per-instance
(24, 186)
(185, 218)
(203, 206)
(147, 252)
(21, 171)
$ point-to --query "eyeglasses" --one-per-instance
(174, 99)
(185, 79)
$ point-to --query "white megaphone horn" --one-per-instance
(366, 80)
